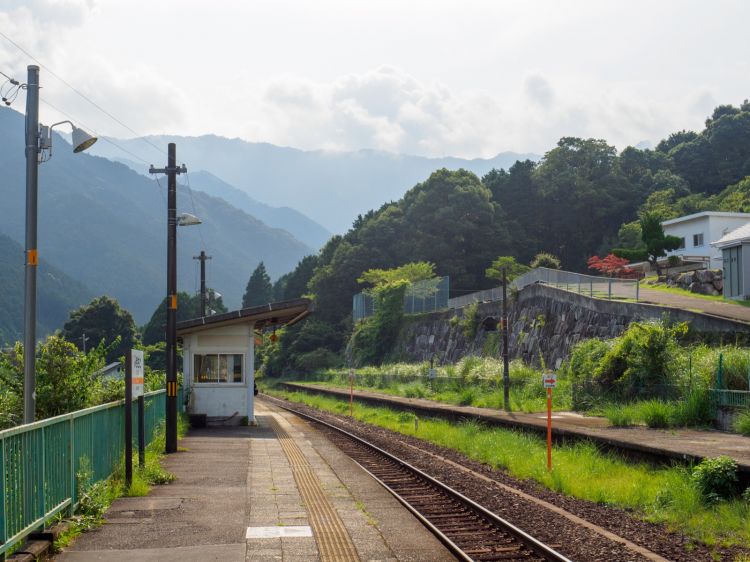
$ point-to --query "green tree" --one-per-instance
(656, 243)
(188, 306)
(297, 280)
(102, 320)
(259, 289)
(507, 265)
(373, 337)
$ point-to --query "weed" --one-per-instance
(618, 415)
(716, 478)
(656, 413)
(742, 423)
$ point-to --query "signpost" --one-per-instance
(549, 381)
(133, 389)
(351, 393)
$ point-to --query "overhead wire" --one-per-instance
(81, 94)
(105, 139)
(111, 116)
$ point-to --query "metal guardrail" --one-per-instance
(731, 398)
(40, 461)
(587, 285)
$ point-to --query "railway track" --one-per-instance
(466, 528)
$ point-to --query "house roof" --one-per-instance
(271, 314)
(694, 216)
(736, 236)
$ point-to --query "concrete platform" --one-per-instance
(282, 484)
(678, 444)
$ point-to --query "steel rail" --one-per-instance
(532, 543)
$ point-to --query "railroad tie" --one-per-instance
(332, 538)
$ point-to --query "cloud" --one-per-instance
(539, 90)
(388, 109)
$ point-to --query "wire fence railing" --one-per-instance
(40, 462)
(587, 285)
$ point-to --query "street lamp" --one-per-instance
(38, 140)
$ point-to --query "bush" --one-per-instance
(618, 416)
(716, 478)
(544, 259)
(470, 321)
(695, 410)
(742, 423)
(656, 413)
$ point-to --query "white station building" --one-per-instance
(218, 357)
(698, 231)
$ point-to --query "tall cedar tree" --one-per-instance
(259, 289)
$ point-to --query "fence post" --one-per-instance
(609, 293)
(3, 497)
(638, 289)
(591, 288)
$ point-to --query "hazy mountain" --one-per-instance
(105, 225)
(57, 294)
(303, 228)
(332, 188)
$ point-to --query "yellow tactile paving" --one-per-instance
(334, 542)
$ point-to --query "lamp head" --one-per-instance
(81, 140)
(186, 219)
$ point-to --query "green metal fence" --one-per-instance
(39, 461)
(731, 398)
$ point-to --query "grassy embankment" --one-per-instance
(643, 377)
(95, 499)
(661, 495)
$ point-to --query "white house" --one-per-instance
(735, 249)
(218, 357)
(698, 231)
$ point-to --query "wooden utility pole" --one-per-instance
(171, 413)
(204, 296)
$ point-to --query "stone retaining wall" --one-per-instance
(544, 323)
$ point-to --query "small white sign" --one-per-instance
(432, 373)
(351, 375)
(137, 372)
(549, 380)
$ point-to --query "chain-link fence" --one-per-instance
(430, 295)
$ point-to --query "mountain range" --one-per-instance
(58, 294)
(331, 188)
(104, 225)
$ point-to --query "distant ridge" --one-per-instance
(105, 225)
(331, 188)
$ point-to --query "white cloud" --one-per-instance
(387, 109)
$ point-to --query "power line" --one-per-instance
(96, 105)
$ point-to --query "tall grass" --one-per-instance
(659, 494)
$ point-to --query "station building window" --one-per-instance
(217, 367)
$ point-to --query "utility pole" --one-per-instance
(204, 296)
(171, 411)
(84, 339)
(506, 359)
(31, 255)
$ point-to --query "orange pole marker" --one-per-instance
(549, 428)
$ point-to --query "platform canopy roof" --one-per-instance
(284, 313)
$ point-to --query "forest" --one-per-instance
(582, 198)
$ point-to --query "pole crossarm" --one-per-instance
(168, 170)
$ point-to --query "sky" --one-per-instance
(435, 78)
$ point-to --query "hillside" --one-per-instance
(57, 294)
(105, 225)
(332, 188)
(291, 220)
